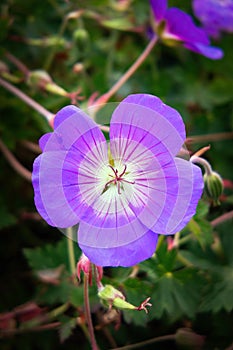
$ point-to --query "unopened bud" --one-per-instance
(213, 186)
(78, 68)
(112, 297)
(42, 80)
(85, 265)
(39, 78)
(81, 35)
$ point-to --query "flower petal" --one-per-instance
(62, 115)
(190, 191)
(211, 52)
(111, 223)
(65, 113)
(159, 8)
(155, 196)
(72, 154)
(50, 200)
(182, 26)
(50, 139)
(146, 200)
(37, 192)
(155, 104)
(71, 123)
(214, 15)
(127, 255)
(153, 117)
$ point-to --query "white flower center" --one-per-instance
(117, 179)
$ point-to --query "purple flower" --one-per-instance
(172, 24)
(122, 193)
(215, 15)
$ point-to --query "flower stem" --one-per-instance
(147, 342)
(19, 168)
(20, 65)
(70, 247)
(206, 165)
(88, 314)
(104, 98)
(222, 218)
(210, 137)
(28, 100)
(58, 311)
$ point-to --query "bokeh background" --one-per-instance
(83, 48)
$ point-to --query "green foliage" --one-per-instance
(65, 331)
(48, 256)
(7, 219)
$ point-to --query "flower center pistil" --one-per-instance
(117, 179)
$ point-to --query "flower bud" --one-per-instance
(81, 36)
(42, 80)
(85, 265)
(213, 186)
(39, 78)
(78, 67)
(112, 297)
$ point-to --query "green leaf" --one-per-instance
(49, 294)
(202, 209)
(202, 230)
(49, 256)
(76, 295)
(66, 328)
(219, 293)
(177, 294)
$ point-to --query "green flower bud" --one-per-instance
(39, 78)
(42, 80)
(112, 297)
(81, 35)
(213, 186)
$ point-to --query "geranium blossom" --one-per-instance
(172, 24)
(122, 193)
(215, 15)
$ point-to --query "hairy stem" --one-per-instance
(210, 137)
(147, 342)
(28, 100)
(88, 313)
(104, 98)
(35, 105)
(20, 65)
(201, 161)
(222, 218)
(19, 168)
(70, 248)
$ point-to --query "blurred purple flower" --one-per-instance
(174, 25)
(215, 15)
(123, 193)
